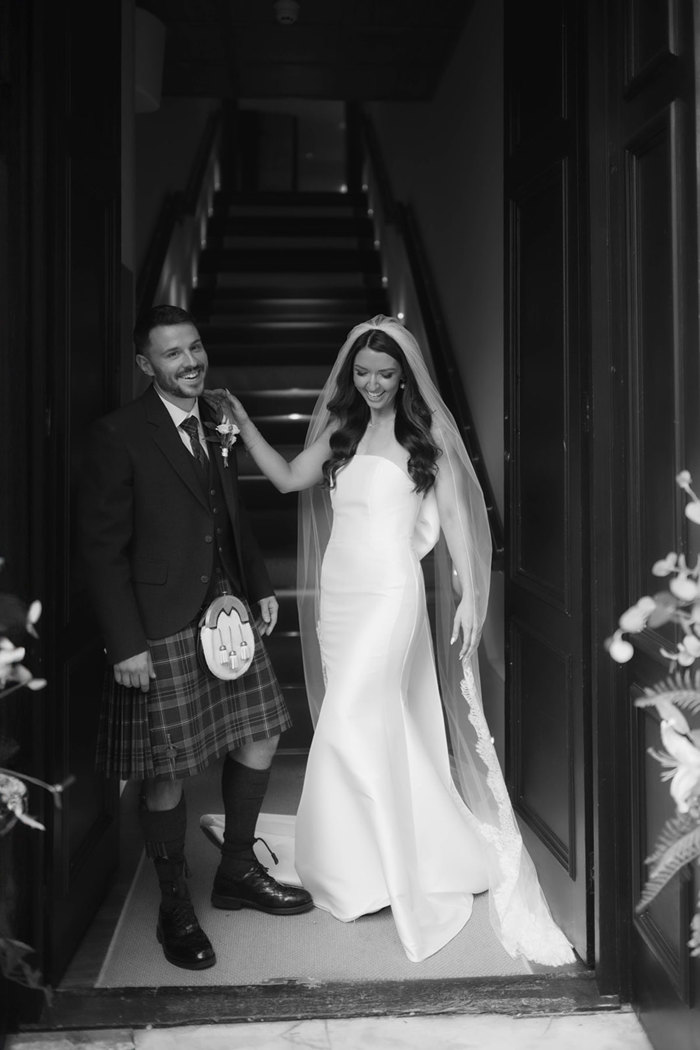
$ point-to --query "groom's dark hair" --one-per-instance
(156, 317)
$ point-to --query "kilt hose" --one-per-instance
(188, 717)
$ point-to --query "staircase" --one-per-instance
(283, 279)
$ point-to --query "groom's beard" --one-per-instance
(180, 387)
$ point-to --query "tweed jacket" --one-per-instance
(145, 528)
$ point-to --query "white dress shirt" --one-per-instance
(178, 415)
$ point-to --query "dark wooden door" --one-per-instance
(645, 375)
(80, 61)
(547, 678)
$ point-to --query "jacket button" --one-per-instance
(204, 579)
(212, 492)
(208, 539)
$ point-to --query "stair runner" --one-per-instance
(283, 279)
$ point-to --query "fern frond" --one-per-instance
(682, 852)
(673, 830)
(681, 689)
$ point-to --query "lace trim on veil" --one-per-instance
(519, 910)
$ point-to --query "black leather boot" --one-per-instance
(242, 881)
(184, 941)
(255, 888)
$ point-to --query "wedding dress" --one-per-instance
(380, 821)
(404, 802)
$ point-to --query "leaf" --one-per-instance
(673, 858)
(674, 829)
(16, 967)
(681, 689)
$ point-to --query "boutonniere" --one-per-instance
(226, 434)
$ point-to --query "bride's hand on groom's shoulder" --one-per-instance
(222, 400)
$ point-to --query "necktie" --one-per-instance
(190, 427)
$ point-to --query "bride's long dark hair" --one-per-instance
(412, 424)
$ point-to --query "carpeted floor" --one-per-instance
(254, 948)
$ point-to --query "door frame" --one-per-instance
(620, 802)
(610, 762)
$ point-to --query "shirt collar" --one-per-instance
(176, 413)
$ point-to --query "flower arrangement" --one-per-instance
(679, 841)
(17, 619)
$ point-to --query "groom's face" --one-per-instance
(177, 361)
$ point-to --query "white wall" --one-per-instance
(445, 157)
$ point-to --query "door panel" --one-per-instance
(83, 130)
(547, 676)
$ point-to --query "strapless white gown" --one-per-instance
(380, 821)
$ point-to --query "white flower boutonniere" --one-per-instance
(227, 433)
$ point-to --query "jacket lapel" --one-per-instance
(168, 440)
(228, 475)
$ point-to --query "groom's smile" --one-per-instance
(177, 362)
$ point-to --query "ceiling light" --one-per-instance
(286, 11)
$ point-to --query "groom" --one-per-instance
(162, 532)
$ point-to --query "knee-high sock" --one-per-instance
(243, 790)
(164, 836)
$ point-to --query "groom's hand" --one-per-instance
(135, 672)
(268, 612)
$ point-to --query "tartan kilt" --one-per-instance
(188, 718)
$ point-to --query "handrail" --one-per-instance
(400, 216)
(381, 176)
(169, 271)
(149, 275)
(201, 162)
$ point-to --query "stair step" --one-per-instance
(248, 469)
(237, 332)
(292, 198)
(241, 377)
(284, 225)
(301, 242)
(238, 354)
(289, 260)
(294, 400)
(316, 282)
(286, 300)
(280, 430)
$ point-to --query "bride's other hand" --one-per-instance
(464, 621)
(224, 401)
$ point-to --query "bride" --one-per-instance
(404, 804)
